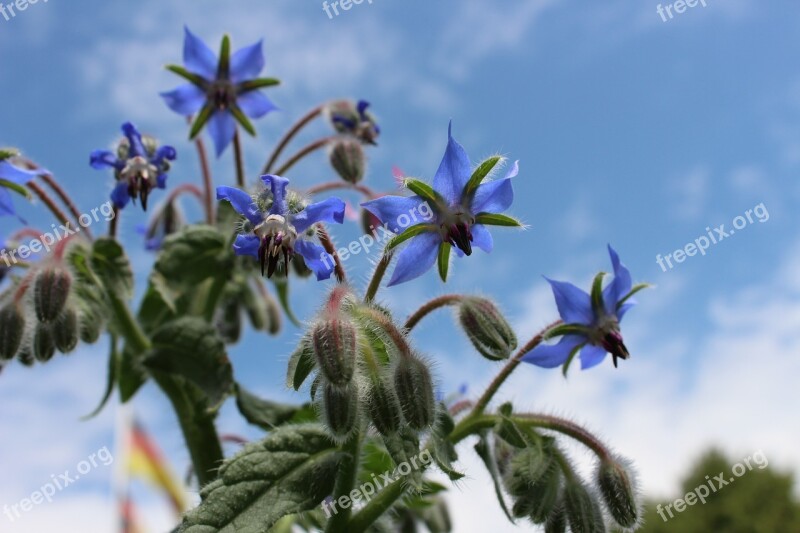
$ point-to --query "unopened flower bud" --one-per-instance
(229, 321)
(617, 487)
(51, 291)
(91, 326)
(25, 355)
(334, 342)
(582, 509)
(534, 481)
(557, 521)
(44, 344)
(340, 408)
(65, 331)
(12, 328)
(487, 328)
(348, 159)
(414, 387)
(384, 407)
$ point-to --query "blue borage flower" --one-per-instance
(591, 322)
(12, 176)
(353, 119)
(279, 225)
(221, 91)
(140, 166)
(462, 205)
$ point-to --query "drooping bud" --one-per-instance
(557, 521)
(534, 481)
(91, 326)
(229, 321)
(334, 342)
(414, 387)
(487, 328)
(352, 118)
(618, 488)
(12, 328)
(383, 406)
(348, 159)
(65, 331)
(25, 355)
(582, 509)
(44, 344)
(340, 408)
(51, 291)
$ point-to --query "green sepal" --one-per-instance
(636, 288)
(201, 120)
(422, 189)
(16, 187)
(484, 451)
(224, 67)
(242, 119)
(566, 329)
(597, 294)
(191, 77)
(444, 260)
(497, 219)
(258, 83)
(483, 170)
(572, 355)
(301, 363)
(413, 231)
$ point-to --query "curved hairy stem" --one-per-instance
(302, 153)
(299, 125)
(66, 199)
(49, 202)
(436, 303)
(239, 160)
(345, 482)
(327, 243)
(512, 364)
(566, 427)
(208, 183)
(337, 185)
(377, 276)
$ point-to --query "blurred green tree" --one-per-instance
(761, 501)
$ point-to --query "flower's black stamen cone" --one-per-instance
(616, 347)
(461, 237)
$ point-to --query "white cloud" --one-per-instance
(690, 191)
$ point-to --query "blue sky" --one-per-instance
(629, 130)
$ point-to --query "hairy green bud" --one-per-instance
(25, 355)
(557, 521)
(44, 344)
(348, 159)
(534, 481)
(334, 342)
(582, 509)
(617, 487)
(65, 331)
(383, 406)
(12, 328)
(487, 328)
(91, 326)
(414, 387)
(51, 291)
(340, 408)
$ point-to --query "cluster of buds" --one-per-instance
(367, 372)
(45, 314)
(545, 488)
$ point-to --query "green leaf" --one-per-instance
(16, 187)
(196, 79)
(444, 260)
(258, 83)
(113, 364)
(480, 174)
(131, 374)
(282, 288)
(194, 255)
(289, 472)
(301, 364)
(484, 451)
(420, 188)
(266, 414)
(496, 219)
(444, 452)
(189, 348)
(111, 266)
(410, 232)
